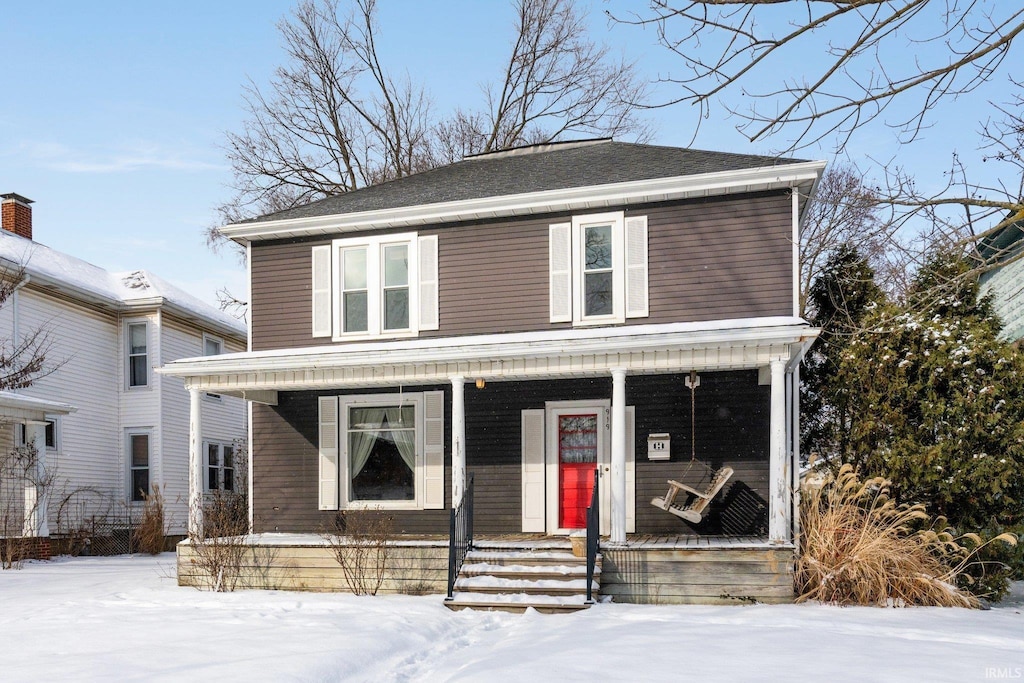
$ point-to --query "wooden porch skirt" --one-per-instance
(642, 570)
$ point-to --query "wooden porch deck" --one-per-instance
(647, 568)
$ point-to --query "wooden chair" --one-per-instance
(692, 512)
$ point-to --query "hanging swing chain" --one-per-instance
(693, 415)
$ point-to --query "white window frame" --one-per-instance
(375, 286)
(128, 355)
(616, 219)
(220, 446)
(220, 343)
(22, 430)
(130, 468)
(372, 400)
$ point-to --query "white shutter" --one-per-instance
(560, 272)
(322, 291)
(433, 447)
(533, 470)
(636, 267)
(630, 470)
(328, 453)
(428, 283)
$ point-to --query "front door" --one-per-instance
(577, 446)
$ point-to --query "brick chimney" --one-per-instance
(16, 214)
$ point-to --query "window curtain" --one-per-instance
(405, 438)
(367, 421)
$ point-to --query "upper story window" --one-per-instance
(212, 346)
(138, 354)
(369, 287)
(598, 269)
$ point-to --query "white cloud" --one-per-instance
(131, 157)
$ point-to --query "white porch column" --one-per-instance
(778, 470)
(36, 524)
(458, 439)
(618, 483)
(195, 464)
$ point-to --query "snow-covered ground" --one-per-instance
(125, 619)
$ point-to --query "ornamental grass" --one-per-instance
(859, 547)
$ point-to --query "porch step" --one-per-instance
(549, 579)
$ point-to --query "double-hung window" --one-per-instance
(138, 466)
(137, 342)
(212, 346)
(51, 435)
(372, 287)
(220, 467)
(598, 269)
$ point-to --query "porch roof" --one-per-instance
(17, 407)
(556, 354)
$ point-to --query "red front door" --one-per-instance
(577, 460)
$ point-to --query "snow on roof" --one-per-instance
(87, 282)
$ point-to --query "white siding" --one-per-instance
(224, 419)
(86, 342)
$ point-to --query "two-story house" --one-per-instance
(530, 317)
(107, 427)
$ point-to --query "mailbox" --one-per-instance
(658, 447)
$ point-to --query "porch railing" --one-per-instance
(460, 539)
(593, 535)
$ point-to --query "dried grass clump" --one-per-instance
(151, 531)
(861, 548)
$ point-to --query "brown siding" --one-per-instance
(731, 427)
(715, 258)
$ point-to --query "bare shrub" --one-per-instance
(24, 488)
(219, 551)
(151, 532)
(861, 548)
(359, 541)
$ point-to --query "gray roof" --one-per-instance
(532, 169)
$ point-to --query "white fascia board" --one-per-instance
(11, 401)
(753, 332)
(546, 201)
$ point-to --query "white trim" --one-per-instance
(130, 432)
(348, 401)
(616, 220)
(375, 247)
(796, 252)
(558, 353)
(546, 201)
(552, 411)
(127, 336)
(248, 327)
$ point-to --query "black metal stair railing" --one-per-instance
(593, 535)
(460, 539)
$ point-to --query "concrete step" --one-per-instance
(517, 602)
(495, 584)
(536, 572)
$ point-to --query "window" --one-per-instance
(52, 434)
(138, 465)
(138, 356)
(374, 276)
(383, 286)
(381, 443)
(382, 450)
(220, 467)
(598, 269)
(212, 347)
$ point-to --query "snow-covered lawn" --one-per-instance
(125, 619)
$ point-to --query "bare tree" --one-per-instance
(334, 118)
(22, 360)
(742, 45)
(894, 61)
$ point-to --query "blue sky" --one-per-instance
(112, 113)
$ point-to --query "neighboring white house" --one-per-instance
(111, 426)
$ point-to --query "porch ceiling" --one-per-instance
(646, 349)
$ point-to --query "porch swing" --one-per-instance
(713, 480)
